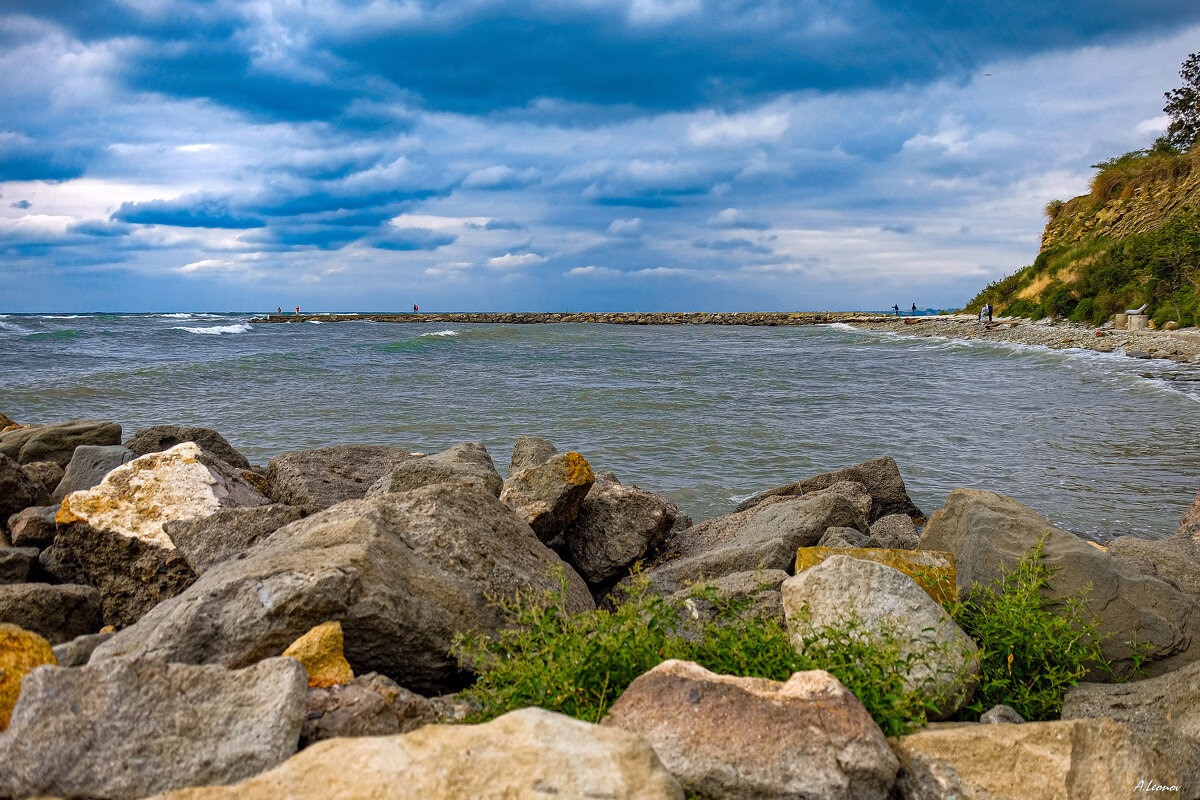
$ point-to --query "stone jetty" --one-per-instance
(774, 318)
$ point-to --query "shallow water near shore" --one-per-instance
(706, 415)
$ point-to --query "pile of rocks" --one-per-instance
(177, 622)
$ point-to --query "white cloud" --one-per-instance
(515, 260)
(592, 271)
(626, 227)
(713, 129)
(1154, 125)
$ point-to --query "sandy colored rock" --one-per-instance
(932, 570)
(33, 527)
(548, 496)
(530, 451)
(895, 532)
(21, 652)
(754, 739)
(47, 473)
(320, 653)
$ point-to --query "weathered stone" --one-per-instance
(17, 563)
(317, 479)
(320, 653)
(130, 728)
(158, 438)
(891, 609)
(21, 652)
(989, 534)
(258, 480)
(530, 451)
(1001, 715)
(845, 537)
(89, 465)
(895, 532)
(369, 705)
(466, 464)
(880, 476)
(932, 570)
(33, 527)
(728, 737)
(548, 496)
(760, 587)
(1175, 561)
(58, 441)
(76, 652)
(18, 491)
(1078, 760)
(1189, 526)
(402, 572)
(616, 526)
(682, 523)
(46, 473)
(57, 612)
(1163, 711)
(6, 422)
(227, 533)
(531, 754)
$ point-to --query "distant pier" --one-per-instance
(775, 318)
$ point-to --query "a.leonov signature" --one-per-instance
(1153, 786)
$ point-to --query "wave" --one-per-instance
(65, 333)
(315, 322)
(441, 333)
(243, 327)
(12, 327)
(58, 316)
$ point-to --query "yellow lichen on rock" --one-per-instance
(20, 652)
(320, 653)
(933, 570)
(579, 471)
(259, 482)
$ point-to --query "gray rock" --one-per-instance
(58, 441)
(895, 532)
(33, 527)
(1189, 526)
(530, 451)
(317, 479)
(616, 526)
(1001, 715)
(17, 490)
(228, 533)
(131, 728)
(17, 563)
(989, 534)
(158, 438)
(57, 613)
(682, 523)
(466, 464)
(46, 473)
(845, 537)
(76, 652)
(890, 608)
(402, 573)
(607, 476)
(548, 496)
(1175, 561)
(369, 705)
(880, 476)
(759, 590)
(89, 465)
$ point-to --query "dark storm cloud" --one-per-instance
(23, 159)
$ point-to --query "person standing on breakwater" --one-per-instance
(416, 308)
(914, 309)
(896, 308)
(988, 309)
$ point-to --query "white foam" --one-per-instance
(441, 333)
(315, 322)
(217, 331)
(13, 327)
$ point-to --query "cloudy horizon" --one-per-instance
(675, 155)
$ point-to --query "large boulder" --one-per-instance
(531, 754)
(111, 536)
(227, 533)
(890, 608)
(17, 564)
(88, 466)
(466, 464)
(1164, 711)
(880, 477)
(932, 570)
(57, 442)
(317, 479)
(989, 534)
(530, 451)
(1078, 760)
(548, 496)
(727, 737)
(616, 526)
(21, 652)
(33, 527)
(58, 612)
(18, 491)
(158, 438)
(1175, 561)
(402, 573)
(131, 728)
(369, 705)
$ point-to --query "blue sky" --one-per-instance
(588, 155)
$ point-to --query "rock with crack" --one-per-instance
(548, 496)
(317, 479)
(880, 476)
(227, 533)
(466, 464)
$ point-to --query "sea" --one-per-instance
(1101, 444)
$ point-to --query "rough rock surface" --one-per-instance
(1078, 760)
(895, 532)
(755, 739)
(17, 490)
(531, 754)
(838, 537)
(1001, 715)
(46, 473)
(158, 438)
(530, 451)
(547, 497)
(57, 612)
(127, 729)
(320, 653)
(932, 570)
(1175, 561)
(17, 563)
(21, 652)
(317, 479)
(616, 526)
(58, 441)
(88, 466)
(369, 705)
(1189, 526)
(887, 605)
(402, 573)
(760, 587)
(465, 464)
(33, 527)
(76, 652)
(880, 477)
(989, 533)
(227, 533)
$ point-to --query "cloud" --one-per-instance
(515, 260)
(414, 239)
(732, 218)
(593, 272)
(21, 204)
(722, 130)
(194, 211)
(626, 227)
(500, 177)
(744, 245)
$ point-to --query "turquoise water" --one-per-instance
(707, 415)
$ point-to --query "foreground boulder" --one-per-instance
(989, 534)
(58, 612)
(531, 754)
(127, 729)
(892, 610)
(21, 652)
(369, 705)
(18, 491)
(880, 477)
(317, 479)
(88, 466)
(158, 438)
(728, 737)
(402, 573)
(1175, 561)
(530, 451)
(464, 464)
(57, 442)
(932, 570)
(227, 533)
(616, 526)
(1079, 760)
(548, 496)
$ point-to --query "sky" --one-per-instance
(550, 155)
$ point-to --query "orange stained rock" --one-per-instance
(579, 471)
(21, 651)
(320, 653)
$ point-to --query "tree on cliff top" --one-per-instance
(1183, 106)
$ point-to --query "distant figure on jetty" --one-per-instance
(988, 309)
(278, 309)
(416, 308)
(914, 309)
(297, 311)
(896, 308)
